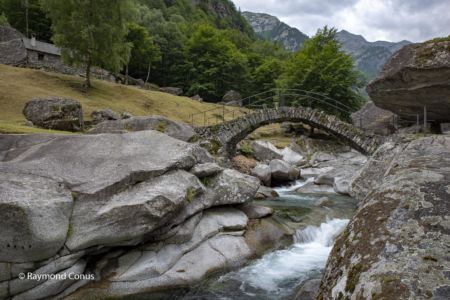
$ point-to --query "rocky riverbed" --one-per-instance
(136, 212)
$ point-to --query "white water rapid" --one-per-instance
(276, 273)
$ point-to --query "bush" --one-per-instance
(246, 149)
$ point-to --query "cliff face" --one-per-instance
(397, 243)
(271, 28)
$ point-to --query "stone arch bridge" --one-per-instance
(230, 133)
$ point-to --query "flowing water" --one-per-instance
(278, 274)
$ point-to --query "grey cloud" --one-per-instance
(415, 20)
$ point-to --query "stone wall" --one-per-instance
(50, 62)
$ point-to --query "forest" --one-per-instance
(204, 47)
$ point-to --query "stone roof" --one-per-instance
(42, 47)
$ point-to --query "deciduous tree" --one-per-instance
(92, 32)
(322, 66)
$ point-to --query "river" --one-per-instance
(278, 274)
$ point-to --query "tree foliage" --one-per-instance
(17, 11)
(216, 65)
(92, 32)
(205, 47)
(144, 52)
(322, 67)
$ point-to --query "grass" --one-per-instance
(272, 133)
(19, 85)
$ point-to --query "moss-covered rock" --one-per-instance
(396, 246)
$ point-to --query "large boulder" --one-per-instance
(265, 151)
(373, 119)
(397, 243)
(203, 244)
(122, 208)
(282, 171)
(55, 113)
(172, 128)
(416, 76)
(293, 157)
(12, 48)
(263, 173)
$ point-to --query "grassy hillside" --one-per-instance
(19, 85)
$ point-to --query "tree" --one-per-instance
(92, 32)
(28, 17)
(217, 64)
(170, 39)
(144, 52)
(322, 67)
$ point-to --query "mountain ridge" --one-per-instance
(271, 28)
(369, 57)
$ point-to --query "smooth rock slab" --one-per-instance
(127, 216)
(162, 124)
(91, 164)
(55, 286)
(156, 259)
(34, 217)
(217, 253)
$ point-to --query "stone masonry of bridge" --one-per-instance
(230, 133)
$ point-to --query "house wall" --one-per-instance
(54, 63)
(50, 62)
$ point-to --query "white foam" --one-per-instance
(291, 188)
(275, 270)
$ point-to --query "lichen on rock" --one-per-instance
(398, 241)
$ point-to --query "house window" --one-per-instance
(40, 56)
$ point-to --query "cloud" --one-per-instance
(391, 20)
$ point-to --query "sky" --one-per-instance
(387, 20)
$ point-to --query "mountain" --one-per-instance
(369, 57)
(271, 28)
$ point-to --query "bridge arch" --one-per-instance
(230, 133)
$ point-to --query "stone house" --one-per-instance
(17, 50)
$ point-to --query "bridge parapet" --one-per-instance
(229, 133)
